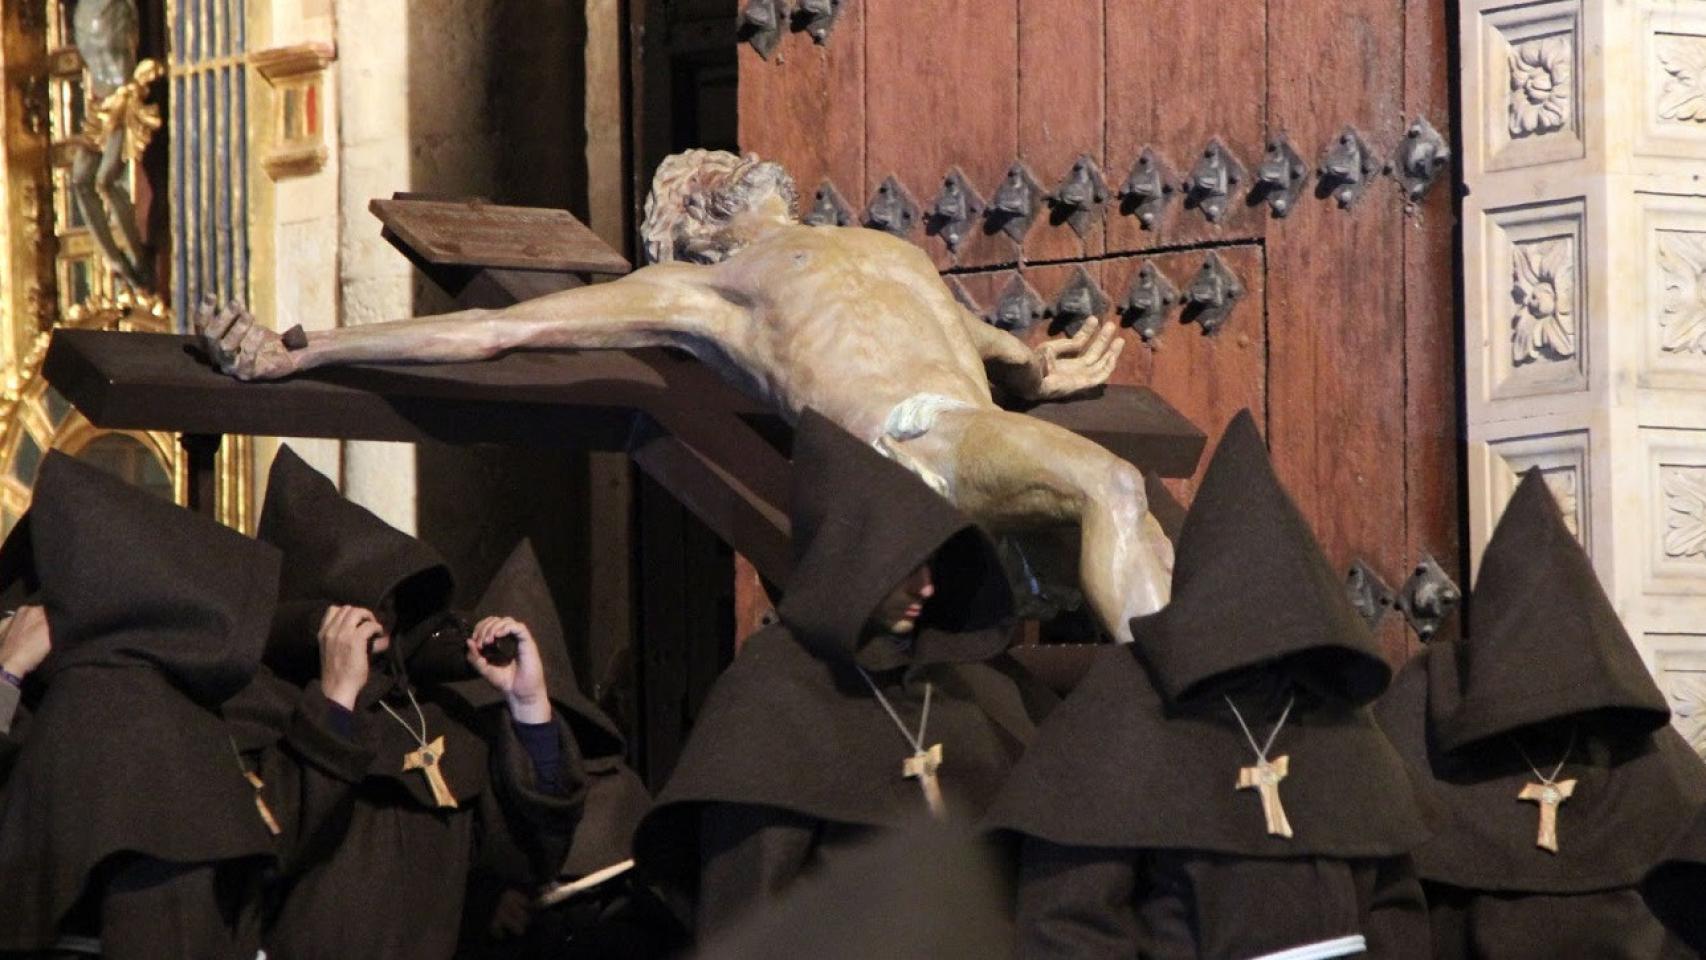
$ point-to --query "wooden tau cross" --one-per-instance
(426, 761)
(922, 766)
(1549, 796)
(261, 803)
(1264, 778)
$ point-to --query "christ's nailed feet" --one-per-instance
(239, 345)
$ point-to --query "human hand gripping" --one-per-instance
(522, 680)
(24, 641)
(1083, 361)
(345, 636)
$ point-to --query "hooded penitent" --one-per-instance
(157, 616)
(1133, 780)
(361, 830)
(793, 738)
(1545, 680)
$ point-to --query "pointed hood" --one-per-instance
(1544, 643)
(1252, 587)
(519, 590)
(127, 578)
(861, 524)
(337, 552)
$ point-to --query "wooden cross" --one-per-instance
(426, 761)
(1549, 796)
(922, 766)
(1264, 778)
(261, 803)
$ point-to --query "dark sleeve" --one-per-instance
(309, 777)
(1398, 924)
(539, 812)
(1076, 902)
(14, 720)
(747, 855)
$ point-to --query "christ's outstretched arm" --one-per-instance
(662, 305)
(1051, 371)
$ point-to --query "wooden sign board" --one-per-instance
(474, 233)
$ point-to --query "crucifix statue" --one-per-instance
(1549, 795)
(117, 131)
(851, 322)
(1264, 778)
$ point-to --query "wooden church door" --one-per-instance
(1314, 290)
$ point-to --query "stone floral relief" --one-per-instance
(1565, 484)
(1687, 695)
(1684, 490)
(1682, 300)
(1542, 74)
(1682, 98)
(1543, 287)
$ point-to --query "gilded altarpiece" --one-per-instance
(97, 196)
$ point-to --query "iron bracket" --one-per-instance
(1080, 196)
(828, 208)
(1211, 182)
(892, 209)
(1147, 189)
(1372, 597)
(1078, 301)
(1212, 294)
(1347, 167)
(1148, 300)
(955, 211)
(761, 23)
(1019, 308)
(1428, 598)
(1421, 158)
(1014, 206)
(1282, 176)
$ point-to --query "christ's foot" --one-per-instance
(241, 346)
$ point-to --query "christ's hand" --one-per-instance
(239, 345)
(1083, 361)
(522, 680)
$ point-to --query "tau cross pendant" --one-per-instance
(426, 761)
(261, 803)
(1548, 796)
(922, 767)
(1264, 778)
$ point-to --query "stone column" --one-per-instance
(1584, 136)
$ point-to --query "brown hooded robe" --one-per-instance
(370, 866)
(1546, 669)
(126, 817)
(1135, 842)
(793, 759)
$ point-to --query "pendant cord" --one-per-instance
(1568, 749)
(1262, 751)
(923, 720)
(419, 737)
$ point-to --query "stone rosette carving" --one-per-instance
(1687, 696)
(1685, 511)
(1542, 72)
(1543, 287)
(1682, 302)
(1682, 99)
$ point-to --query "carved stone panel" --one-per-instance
(1675, 494)
(1535, 313)
(1670, 99)
(1679, 666)
(1673, 285)
(1563, 462)
(1531, 59)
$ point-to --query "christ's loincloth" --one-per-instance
(910, 419)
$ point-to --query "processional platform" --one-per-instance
(721, 453)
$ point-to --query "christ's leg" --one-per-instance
(1011, 472)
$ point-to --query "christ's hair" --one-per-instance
(695, 194)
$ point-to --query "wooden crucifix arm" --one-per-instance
(663, 305)
(1058, 368)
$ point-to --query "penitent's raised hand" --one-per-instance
(522, 680)
(348, 635)
(24, 641)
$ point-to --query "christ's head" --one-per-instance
(706, 204)
(106, 34)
